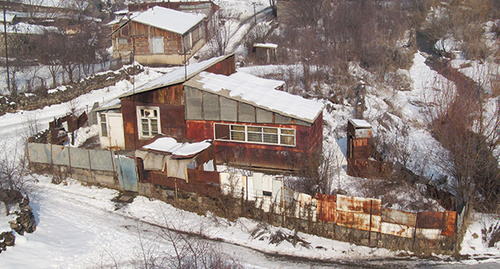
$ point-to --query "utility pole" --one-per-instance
(6, 46)
(254, 14)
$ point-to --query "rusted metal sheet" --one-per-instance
(399, 217)
(207, 177)
(224, 67)
(359, 205)
(430, 220)
(359, 221)
(359, 213)
(327, 207)
(397, 229)
(162, 179)
(450, 223)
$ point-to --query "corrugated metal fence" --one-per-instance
(359, 213)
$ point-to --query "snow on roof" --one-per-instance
(177, 76)
(169, 19)
(258, 92)
(360, 123)
(265, 45)
(170, 145)
(111, 105)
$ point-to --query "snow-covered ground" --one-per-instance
(78, 226)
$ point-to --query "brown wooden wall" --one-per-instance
(172, 41)
(170, 101)
(225, 67)
(308, 146)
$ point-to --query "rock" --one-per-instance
(9, 239)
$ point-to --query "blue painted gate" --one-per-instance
(127, 173)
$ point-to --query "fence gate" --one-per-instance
(127, 173)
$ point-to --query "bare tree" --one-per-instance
(218, 36)
(460, 124)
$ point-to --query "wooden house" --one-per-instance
(158, 36)
(252, 122)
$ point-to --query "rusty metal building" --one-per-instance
(263, 127)
(359, 151)
(253, 123)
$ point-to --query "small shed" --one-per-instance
(359, 150)
(264, 52)
(359, 133)
(158, 35)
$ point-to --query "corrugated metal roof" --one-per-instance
(258, 92)
(177, 76)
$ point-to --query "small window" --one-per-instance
(271, 135)
(287, 137)
(254, 134)
(104, 125)
(237, 132)
(149, 125)
(122, 41)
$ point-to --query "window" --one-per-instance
(104, 125)
(122, 41)
(255, 134)
(156, 45)
(237, 133)
(149, 123)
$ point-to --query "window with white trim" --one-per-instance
(104, 124)
(149, 121)
(255, 134)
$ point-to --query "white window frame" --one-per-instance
(100, 118)
(279, 134)
(150, 118)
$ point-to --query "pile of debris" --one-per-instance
(25, 220)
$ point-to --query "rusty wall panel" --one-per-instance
(172, 121)
(327, 207)
(399, 217)
(359, 204)
(224, 67)
(129, 124)
(430, 220)
(196, 176)
(161, 179)
(360, 221)
(450, 223)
